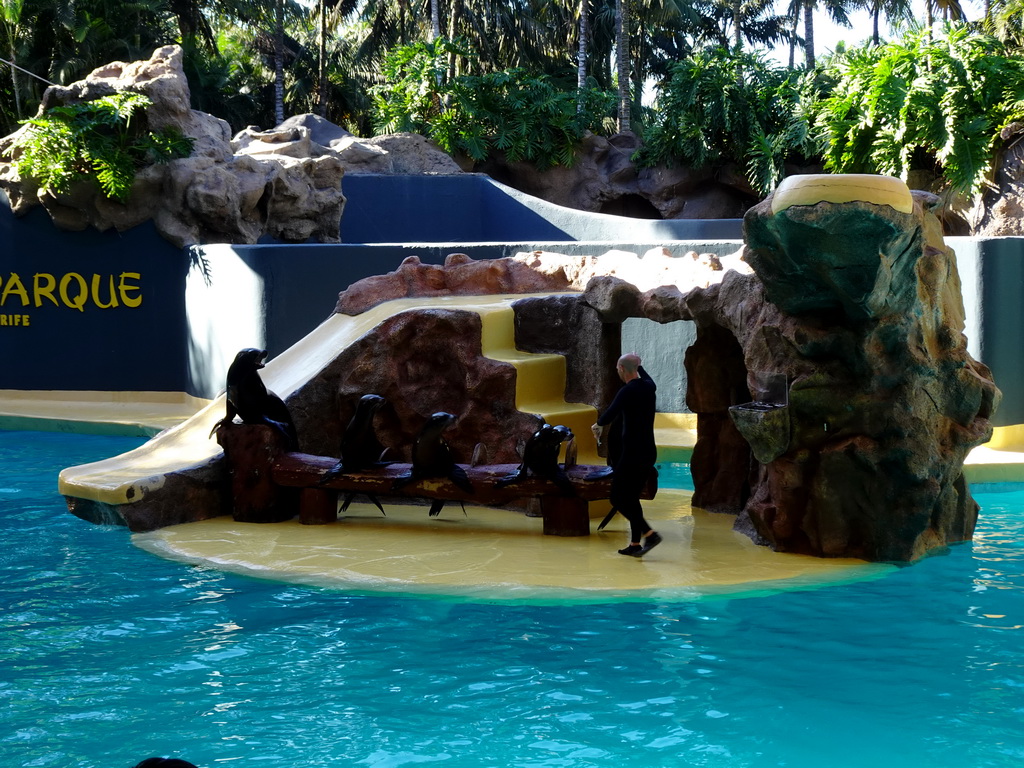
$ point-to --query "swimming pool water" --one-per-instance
(109, 654)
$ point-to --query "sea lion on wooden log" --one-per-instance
(540, 458)
(432, 457)
(360, 448)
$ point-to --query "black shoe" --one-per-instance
(633, 550)
(650, 542)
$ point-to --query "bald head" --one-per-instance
(627, 366)
(630, 362)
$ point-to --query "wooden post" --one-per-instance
(565, 516)
(250, 451)
(318, 506)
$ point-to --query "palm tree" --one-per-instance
(279, 61)
(192, 23)
(622, 62)
(321, 59)
(838, 10)
(501, 33)
(1005, 20)
(10, 14)
(731, 23)
(894, 11)
(947, 10)
(581, 57)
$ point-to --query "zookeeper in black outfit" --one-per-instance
(635, 405)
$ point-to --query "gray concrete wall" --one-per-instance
(992, 283)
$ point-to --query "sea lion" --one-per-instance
(360, 448)
(432, 457)
(540, 458)
(248, 397)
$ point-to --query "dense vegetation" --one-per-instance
(95, 141)
(500, 77)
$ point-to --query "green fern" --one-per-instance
(721, 107)
(95, 140)
(933, 101)
(513, 111)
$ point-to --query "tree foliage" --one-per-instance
(95, 140)
(919, 102)
(522, 115)
(721, 107)
(926, 101)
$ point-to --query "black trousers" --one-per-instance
(627, 482)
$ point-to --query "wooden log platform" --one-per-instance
(265, 475)
(564, 514)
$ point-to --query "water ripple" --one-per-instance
(108, 655)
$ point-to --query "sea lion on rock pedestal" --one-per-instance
(432, 457)
(540, 458)
(249, 399)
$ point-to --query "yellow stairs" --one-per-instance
(540, 382)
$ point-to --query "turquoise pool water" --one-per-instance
(109, 655)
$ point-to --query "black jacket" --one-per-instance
(635, 405)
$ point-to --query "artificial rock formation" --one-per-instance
(858, 306)
(636, 284)
(214, 195)
(421, 362)
(303, 136)
(604, 179)
(998, 211)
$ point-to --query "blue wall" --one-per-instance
(63, 347)
(473, 208)
(992, 283)
(201, 305)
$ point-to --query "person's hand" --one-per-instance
(596, 429)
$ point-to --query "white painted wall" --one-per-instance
(661, 348)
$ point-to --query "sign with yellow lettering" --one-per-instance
(71, 291)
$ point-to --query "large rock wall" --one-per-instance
(858, 307)
(605, 179)
(214, 195)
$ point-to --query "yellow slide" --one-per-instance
(540, 388)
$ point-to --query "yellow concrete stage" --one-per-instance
(490, 554)
(496, 554)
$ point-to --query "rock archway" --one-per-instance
(856, 308)
(722, 462)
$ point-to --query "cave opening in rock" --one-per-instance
(632, 205)
(700, 371)
(723, 468)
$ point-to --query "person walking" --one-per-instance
(635, 405)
